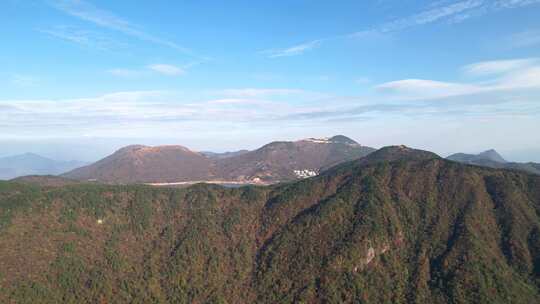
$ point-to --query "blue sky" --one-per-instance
(82, 78)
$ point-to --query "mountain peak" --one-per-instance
(129, 148)
(342, 139)
(492, 155)
(142, 149)
(401, 152)
(139, 163)
(481, 158)
(337, 139)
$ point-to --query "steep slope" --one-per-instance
(416, 229)
(33, 164)
(285, 161)
(139, 164)
(492, 159)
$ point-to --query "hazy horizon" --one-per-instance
(82, 78)
(95, 149)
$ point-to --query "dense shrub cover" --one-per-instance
(407, 231)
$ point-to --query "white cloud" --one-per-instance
(497, 66)
(521, 79)
(23, 81)
(88, 12)
(167, 69)
(500, 4)
(237, 101)
(524, 39)
(453, 12)
(512, 76)
(294, 50)
(125, 73)
(126, 97)
(252, 92)
(83, 37)
(426, 89)
(130, 114)
(431, 15)
(362, 80)
(144, 113)
(164, 69)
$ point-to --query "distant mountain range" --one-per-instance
(274, 162)
(492, 159)
(33, 164)
(278, 161)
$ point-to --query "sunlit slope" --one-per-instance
(400, 226)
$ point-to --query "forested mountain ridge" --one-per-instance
(400, 226)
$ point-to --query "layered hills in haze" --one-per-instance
(398, 226)
(274, 162)
(33, 164)
(492, 159)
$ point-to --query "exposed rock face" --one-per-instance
(370, 255)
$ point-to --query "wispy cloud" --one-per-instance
(527, 78)
(23, 81)
(451, 12)
(497, 66)
(294, 50)
(238, 101)
(88, 12)
(253, 92)
(507, 76)
(166, 69)
(524, 39)
(431, 15)
(362, 80)
(426, 89)
(512, 93)
(125, 114)
(159, 68)
(125, 73)
(82, 37)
